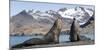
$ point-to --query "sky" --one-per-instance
(18, 6)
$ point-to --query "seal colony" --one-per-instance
(52, 37)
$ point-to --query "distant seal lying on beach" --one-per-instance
(74, 31)
(51, 37)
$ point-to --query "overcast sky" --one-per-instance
(17, 6)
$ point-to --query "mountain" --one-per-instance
(35, 21)
(22, 18)
(27, 23)
(80, 13)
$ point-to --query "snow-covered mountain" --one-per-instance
(34, 19)
(81, 14)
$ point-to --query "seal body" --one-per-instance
(74, 31)
(55, 31)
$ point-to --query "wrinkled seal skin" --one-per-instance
(74, 31)
(51, 37)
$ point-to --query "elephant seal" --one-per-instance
(53, 34)
(74, 31)
(51, 37)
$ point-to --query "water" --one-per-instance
(63, 38)
(91, 36)
(19, 39)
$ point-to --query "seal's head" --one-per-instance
(74, 19)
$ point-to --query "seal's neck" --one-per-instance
(54, 31)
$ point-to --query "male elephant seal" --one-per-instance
(74, 31)
(53, 34)
(51, 37)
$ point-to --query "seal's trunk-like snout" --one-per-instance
(74, 31)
